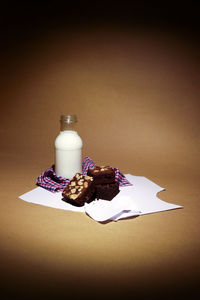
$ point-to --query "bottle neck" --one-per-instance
(67, 127)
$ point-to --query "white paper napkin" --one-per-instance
(102, 210)
(138, 199)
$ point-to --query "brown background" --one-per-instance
(135, 90)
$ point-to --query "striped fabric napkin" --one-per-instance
(54, 183)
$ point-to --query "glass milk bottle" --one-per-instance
(68, 148)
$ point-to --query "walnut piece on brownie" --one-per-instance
(102, 174)
(80, 189)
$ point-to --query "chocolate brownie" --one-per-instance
(103, 174)
(80, 189)
(107, 191)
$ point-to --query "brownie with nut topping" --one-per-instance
(102, 174)
(80, 190)
(107, 191)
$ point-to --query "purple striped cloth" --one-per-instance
(54, 183)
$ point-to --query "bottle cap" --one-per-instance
(69, 119)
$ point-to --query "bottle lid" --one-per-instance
(69, 119)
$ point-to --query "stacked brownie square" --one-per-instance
(106, 187)
(99, 183)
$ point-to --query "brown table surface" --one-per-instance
(136, 95)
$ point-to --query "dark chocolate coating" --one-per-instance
(107, 191)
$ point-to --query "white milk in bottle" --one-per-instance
(68, 148)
